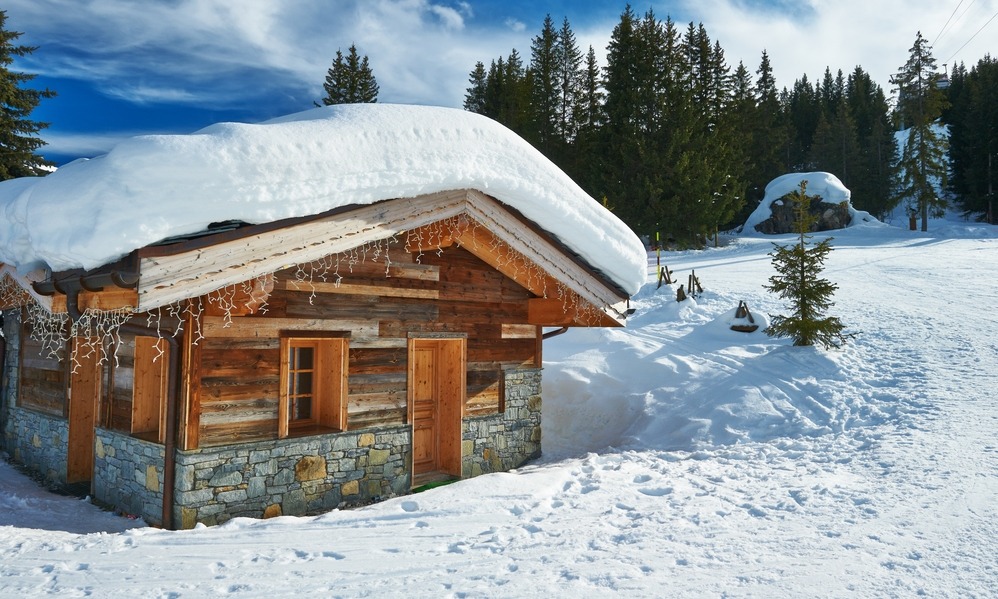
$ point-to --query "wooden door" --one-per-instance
(425, 432)
(84, 391)
(437, 383)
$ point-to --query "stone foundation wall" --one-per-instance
(300, 476)
(128, 474)
(39, 442)
(291, 477)
(501, 442)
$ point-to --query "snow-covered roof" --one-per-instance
(147, 188)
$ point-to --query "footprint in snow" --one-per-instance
(754, 511)
(409, 506)
(656, 491)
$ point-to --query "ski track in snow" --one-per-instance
(681, 460)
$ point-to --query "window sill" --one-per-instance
(314, 429)
(150, 436)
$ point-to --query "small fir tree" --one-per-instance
(798, 279)
(350, 80)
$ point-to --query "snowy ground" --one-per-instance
(681, 459)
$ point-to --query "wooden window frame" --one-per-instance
(329, 383)
(150, 379)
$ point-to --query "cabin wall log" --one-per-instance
(451, 292)
(43, 376)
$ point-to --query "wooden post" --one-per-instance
(680, 294)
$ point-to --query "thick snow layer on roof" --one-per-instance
(821, 184)
(91, 212)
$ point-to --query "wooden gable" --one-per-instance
(569, 293)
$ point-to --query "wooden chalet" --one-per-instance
(296, 366)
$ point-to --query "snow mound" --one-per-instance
(147, 188)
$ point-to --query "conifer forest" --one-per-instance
(680, 143)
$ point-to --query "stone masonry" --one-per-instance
(39, 442)
(501, 442)
(36, 440)
(291, 477)
(299, 476)
(128, 474)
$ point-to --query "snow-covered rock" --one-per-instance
(834, 209)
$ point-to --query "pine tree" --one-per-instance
(474, 98)
(544, 97)
(798, 269)
(769, 137)
(621, 144)
(514, 108)
(17, 130)
(803, 111)
(923, 154)
(973, 122)
(874, 179)
(569, 74)
(835, 148)
(586, 165)
(350, 80)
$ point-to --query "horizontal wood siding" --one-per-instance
(118, 414)
(380, 306)
(43, 377)
(239, 388)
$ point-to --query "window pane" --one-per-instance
(302, 408)
(303, 383)
(301, 358)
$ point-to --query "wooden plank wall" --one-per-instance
(43, 379)
(117, 409)
(453, 292)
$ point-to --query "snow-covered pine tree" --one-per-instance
(350, 80)
(17, 132)
(798, 279)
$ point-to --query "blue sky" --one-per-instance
(127, 67)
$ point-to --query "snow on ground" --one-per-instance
(682, 459)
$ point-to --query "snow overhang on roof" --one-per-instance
(92, 212)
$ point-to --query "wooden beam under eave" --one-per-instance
(487, 248)
(548, 312)
(428, 238)
(109, 299)
(553, 312)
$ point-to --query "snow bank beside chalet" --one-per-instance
(147, 188)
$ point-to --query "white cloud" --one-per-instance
(838, 34)
(516, 25)
(451, 18)
(220, 53)
(83, 144)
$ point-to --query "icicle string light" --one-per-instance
(98, 329)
